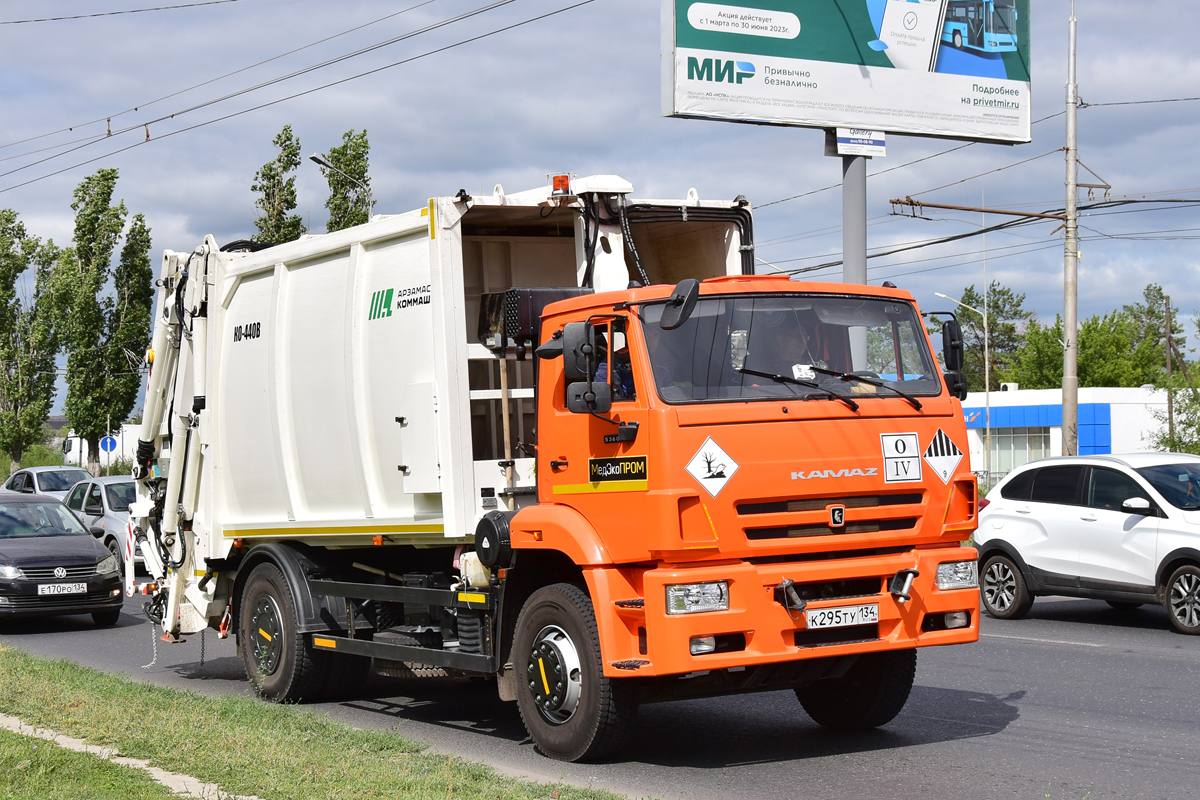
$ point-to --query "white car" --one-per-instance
(52, 481)
(1125, 529)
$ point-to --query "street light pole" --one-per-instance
(987, 384)
(1070, 384)
(321, 161)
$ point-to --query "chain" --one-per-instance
(153, 644)
(201, 649)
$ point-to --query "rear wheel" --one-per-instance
(958, 40)
(280, 662)
(1003, 589)
(571, 710)
(870, 694)
(1183, 599)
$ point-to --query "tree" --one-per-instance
(1007, 320)
(28, 344)
(1151, 321)
(1186, 413)
(1038, 362)
(277, 193)
(349, 200)
(105, 336)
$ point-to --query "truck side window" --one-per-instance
(615, 353)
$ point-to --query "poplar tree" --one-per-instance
(349, 201)
(276, 187)
(28, 344)
(105, 335)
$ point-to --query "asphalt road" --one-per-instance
(1076, 701)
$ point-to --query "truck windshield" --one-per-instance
(813, 346)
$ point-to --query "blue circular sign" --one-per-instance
(108, 444)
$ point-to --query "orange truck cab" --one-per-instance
(765, 485)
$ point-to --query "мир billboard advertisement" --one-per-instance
(952, 68)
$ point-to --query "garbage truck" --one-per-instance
(564, 440)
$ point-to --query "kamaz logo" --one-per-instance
(719, 71)
(835, 473)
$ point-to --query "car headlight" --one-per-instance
(107, 566)
(958, 575)
(10, 572)
(693, 598)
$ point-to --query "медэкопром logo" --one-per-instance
(718, 71)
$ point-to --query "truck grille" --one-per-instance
(837, 590)
(821, 503)
(828, 636)
(47, 573)
(860, 526)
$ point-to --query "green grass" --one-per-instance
(245, 745)
(33, 769)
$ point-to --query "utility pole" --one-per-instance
(854, 239)
(987, 350)
(1170, 398)
(1070, 385)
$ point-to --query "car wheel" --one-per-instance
(106, 619)
(1003, 589)
(1183, 599)
(1121, 605)
(115, 549)
(870, 694)
(571, 710)
(280, 662)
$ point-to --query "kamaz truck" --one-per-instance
(564, 440)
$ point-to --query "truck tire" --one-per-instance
(1182, 599)
(571, 710)
(280, 662)
(1002, 589)
(870, 694)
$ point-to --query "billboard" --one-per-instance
(952, 68)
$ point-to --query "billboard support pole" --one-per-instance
(854, 239)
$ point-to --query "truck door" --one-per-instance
(582, 462)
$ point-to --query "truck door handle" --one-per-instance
(558, 464)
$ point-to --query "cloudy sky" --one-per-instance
(579, 91)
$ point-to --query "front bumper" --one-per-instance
(646, 640)
(20, 598)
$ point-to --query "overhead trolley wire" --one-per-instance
(339, 82)
(116, 13)
(265, 84)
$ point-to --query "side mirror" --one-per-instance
(579, 350)
(680, 306)
(27, 489)
(1137, 505)
(952, 345)
(589, 397)
(93, 509)
(956, 382)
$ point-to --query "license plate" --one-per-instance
(843, 616)
(62, 588)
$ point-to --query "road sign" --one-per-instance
(108, 444)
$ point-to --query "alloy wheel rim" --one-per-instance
(266, 634)
(999, 586)
(555, 675)
(1185, 600)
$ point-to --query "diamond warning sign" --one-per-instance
(712, 467)
(943, 455)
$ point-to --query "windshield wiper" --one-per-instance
(808, 384)
(850, 376)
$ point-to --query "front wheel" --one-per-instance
(1183, 599)
(279, 661)
(571, 710)
(958, 40)
(870, 694)
(1003, 589)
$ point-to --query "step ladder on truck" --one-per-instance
(565, 440)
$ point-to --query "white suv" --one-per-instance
(1125, 529)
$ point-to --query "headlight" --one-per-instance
(107, 566)
(693, 598)
(10, 572)
(958, 575)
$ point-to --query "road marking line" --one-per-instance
(1043, 641)
(182, 785)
